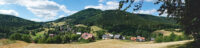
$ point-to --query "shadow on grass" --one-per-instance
(194, 44)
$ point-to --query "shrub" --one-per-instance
(18, 36)
(15, 36)
(159, 39)
(26, 38)
(87, 40)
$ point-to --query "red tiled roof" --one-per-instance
(86, 35)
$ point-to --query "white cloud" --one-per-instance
(61, 16)
(41, 8)
(9, 12)
(107, 6)
(63, 8)
(152, 12)
(146, 0)
(146, 11)
(150, 0)
(100, 0)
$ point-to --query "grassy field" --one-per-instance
(6, 41)
(98, 44)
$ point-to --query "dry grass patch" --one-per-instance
(6, 41)
(98, 44)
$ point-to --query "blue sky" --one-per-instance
(48, 10)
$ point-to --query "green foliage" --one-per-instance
(166, 39)
(41, 40)
(55, 39)
(159, 39)
(58, 38)
(74, 37)
(100, 34)
(172, 37)
(87, 40)
(120, 22)
(18, 36)
(15, 36)
(10, 24)
(65, 39)
(26, 38)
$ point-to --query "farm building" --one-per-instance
(152, 39)
(79, 33)
(51, 35)
(133, 38)
(107, 36)
(86, 35)
(138, 38)
(119, 37)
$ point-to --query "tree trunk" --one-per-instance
(192, 12)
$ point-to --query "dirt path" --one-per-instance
(98, 44)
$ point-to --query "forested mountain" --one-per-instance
(10, 24)
(120, 22)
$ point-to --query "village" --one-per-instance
(104, 36)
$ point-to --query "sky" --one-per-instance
(49, 10)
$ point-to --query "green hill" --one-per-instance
(10, 24)
(120, 22)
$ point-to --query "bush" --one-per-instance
(74, 37)
(166, 39)
(159, 39)
(26, 38)
(15, 36)
(100, 34)
(41, 40)
(178, 38)
(22, 37)
(87, 40)
(172, 37)
(65, 39)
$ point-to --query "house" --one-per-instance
(138, 38)
(152, 39)
(111, 35)
(51, 35)
(107, 36)
(123, 38)
(117, 36)
(79, 33)
(133, 38)
(86, 35)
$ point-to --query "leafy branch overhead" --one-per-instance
(130, 3)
